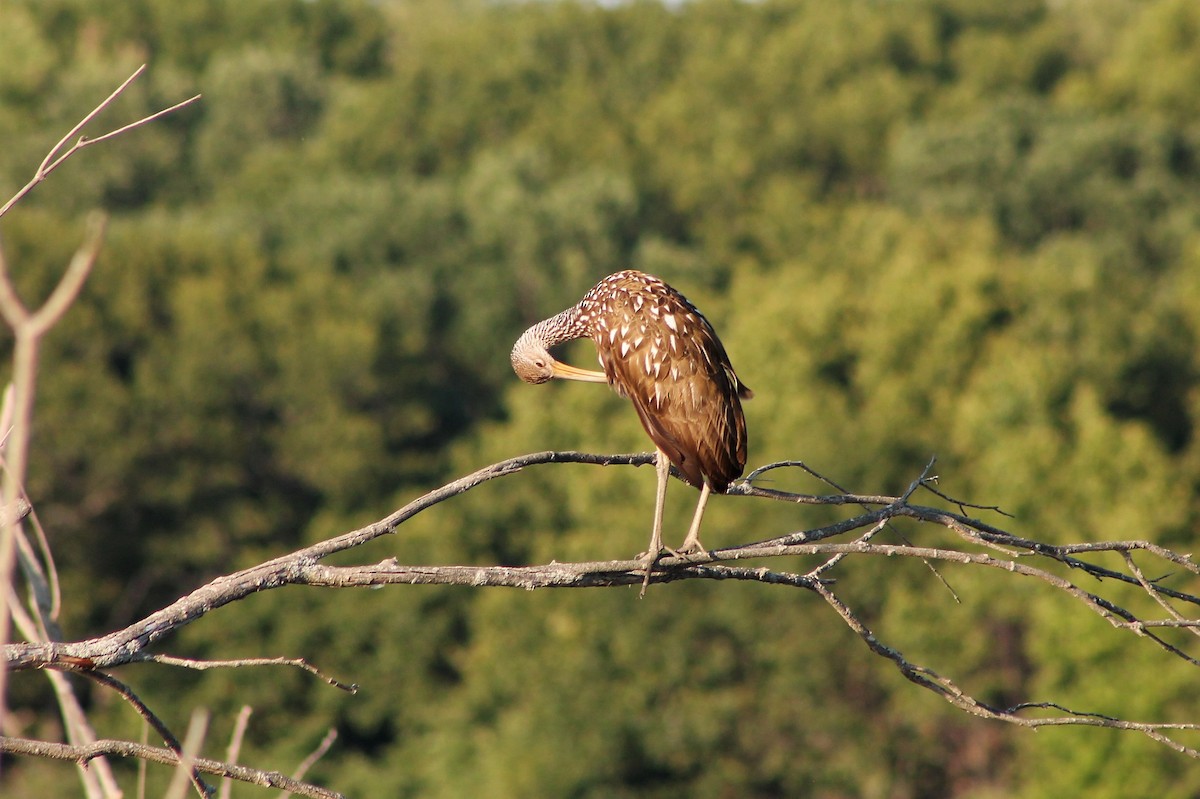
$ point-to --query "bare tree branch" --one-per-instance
(185, 771)
(324, 746)
(182, 756)
(128, 645)
(989, 547)
(154, 754)
(946, 688)
(28, 327)
(55, 158)
(98, 779)
(235, 747)
(205, 665)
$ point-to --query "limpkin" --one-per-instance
(661, 352)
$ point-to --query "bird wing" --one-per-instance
(675, 371)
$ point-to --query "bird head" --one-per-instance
(533, 363)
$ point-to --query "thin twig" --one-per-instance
(185, 771)
(235, 748)
(960, 699)
(54, 159)
(153, 720)
(143, 762)
(962, 506)
(313, 757)
(1154, 592)
(205, 665)
(922, 481)
(155, 754)
(98, 781)
(72, 281)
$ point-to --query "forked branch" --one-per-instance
(57, 155)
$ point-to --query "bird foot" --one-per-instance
(689, 548)
(646, 561)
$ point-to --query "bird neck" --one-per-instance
(564, 326)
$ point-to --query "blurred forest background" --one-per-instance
(949, 227)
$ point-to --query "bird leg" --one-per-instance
(692, 542)
(663, 467)
(650, 556)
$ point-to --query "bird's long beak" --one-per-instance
(568, 372)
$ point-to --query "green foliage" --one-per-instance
(1158, 62)
(1040, 173)
(285, 90)
(29, 60)
(921, 227)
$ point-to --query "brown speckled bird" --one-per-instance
(661, 352)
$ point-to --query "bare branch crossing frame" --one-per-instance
(998, 550)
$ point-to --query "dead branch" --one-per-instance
(316, 754)
(182, 757)
(235, 747)
(237, 663)
(107, 747)
(55, 158)
(185, 770)
(28, 328)
(989, 547)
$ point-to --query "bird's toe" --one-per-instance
(648, 559)
(690, 548)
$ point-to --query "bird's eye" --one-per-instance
(539, 363)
